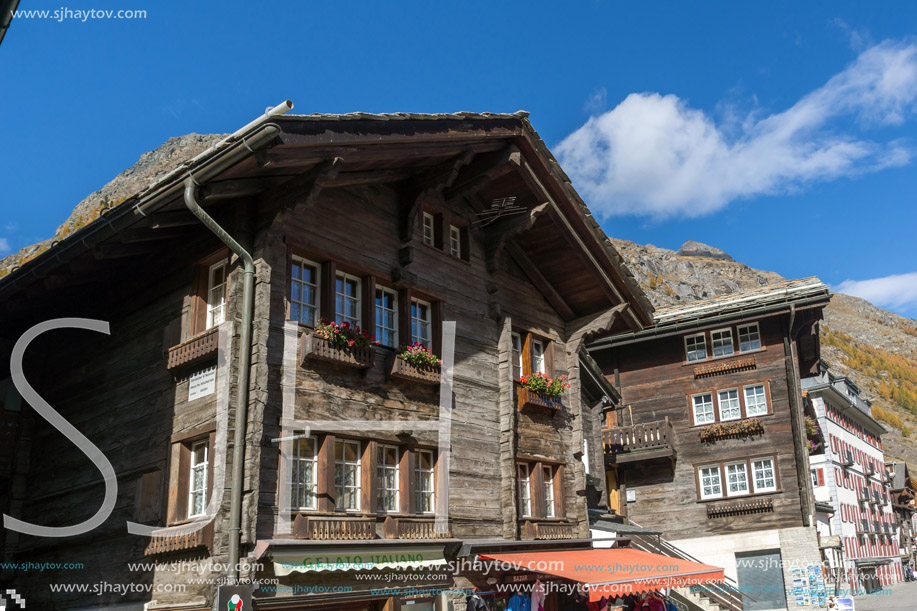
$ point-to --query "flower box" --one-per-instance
(422, 374)
(738, 429)
(320, 349)
(527, 398)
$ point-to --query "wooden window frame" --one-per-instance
(415, 491)
(429, 322)
(749, 474)
(301, 261)
(455, 242)
(179, 469)
(380, 474)
(753, 474)
(316, 447)
(692, 405)
(745, 469)
(743, 408)
(719, 404)
(346, 277)
(359, 488)
(374, 331)
(431, 239)
(757, 333)
(197, 316)
(732, 344)
(527, 353)
(688, 351)
(524, 484)
(537, 488)
(516, 354)
(767, 399)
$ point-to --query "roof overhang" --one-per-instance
(475, 157)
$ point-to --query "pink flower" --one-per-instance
(351, 342)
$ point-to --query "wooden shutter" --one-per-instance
(559, 504)
(526, 354)
(548, 358)
(436, 327)
(199, 301)
(516, 354)
(404, 317)
(821, 477)
(148, 504)
(438, 231)
(406, 482)
(325, 479)
(465, 243)
(369, 496)
(536, 487)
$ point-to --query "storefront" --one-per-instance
(355, 577)
(594, 577)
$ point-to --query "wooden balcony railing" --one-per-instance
(321, 528)
(639, 442)
(414, 528)
(320, 349)
(535, 530)
(177, 540)
(194, 350)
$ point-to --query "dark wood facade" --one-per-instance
(655, 446)
(350, 196)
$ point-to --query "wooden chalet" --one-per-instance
(709, 446)
(401, 224)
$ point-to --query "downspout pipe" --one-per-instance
(245, 352)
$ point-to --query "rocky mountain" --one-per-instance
(151, 166)
(875, 348)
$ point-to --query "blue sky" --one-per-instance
(783, 133)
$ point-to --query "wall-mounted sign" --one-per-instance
(631, 496)
(202, 383)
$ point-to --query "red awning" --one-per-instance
(614, 572)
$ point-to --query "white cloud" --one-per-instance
(4, 246)
(897, 291)
(652, 155)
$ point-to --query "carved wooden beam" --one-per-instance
(305, 188)
(428, 187)
(587, 327)
(497, 234)
(484, 171)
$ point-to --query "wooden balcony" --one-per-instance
(414, 528)
(422, 374)
(546, 531)
(319, 349)
(526, 398)
(177, 540)
(626, 444)
(193, 351)
(333, 528)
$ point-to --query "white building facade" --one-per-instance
(849, 475)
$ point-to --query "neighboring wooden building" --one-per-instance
(398, 223)
(902, 494)
(710, 446)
